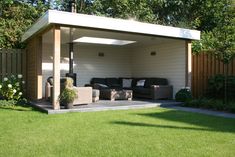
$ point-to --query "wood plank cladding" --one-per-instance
(12, 62)
(34, 70)
(205, 66)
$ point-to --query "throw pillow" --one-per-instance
(140, 83)
(126, 83)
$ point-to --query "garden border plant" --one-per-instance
(12, 91)
(213, 98)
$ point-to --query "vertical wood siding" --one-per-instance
(205, 66)
(33, 68)
(12, 62)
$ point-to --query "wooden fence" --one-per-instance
(12, 61)
(205, 66)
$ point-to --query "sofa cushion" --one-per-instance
(98, 80)
(126, 83)
(135, 80)
(142, 90)
(155, 81)
(140, 83)
(112, 82)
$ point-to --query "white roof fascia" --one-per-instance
(91, 21)
(41, 23)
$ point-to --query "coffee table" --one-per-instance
(114, 94)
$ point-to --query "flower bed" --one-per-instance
(12, 88)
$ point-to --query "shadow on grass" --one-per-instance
(158, 126)
(199, 122)
(23, 108)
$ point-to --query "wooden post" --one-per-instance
(71, 57)
(56, 67)
(39, 66)
(188, 63)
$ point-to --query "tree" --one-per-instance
(197, 14)
(220, 42)
(15, 18)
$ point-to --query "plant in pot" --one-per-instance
(67, 97)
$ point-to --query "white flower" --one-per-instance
(5, 79)
(0, 86)
(9, 86)
(23, 82)
(19, 76)
(14, 91)
(20, 93)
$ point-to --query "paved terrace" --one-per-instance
(103, 105)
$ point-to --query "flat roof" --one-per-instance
(98, 22)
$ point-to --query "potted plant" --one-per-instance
(67, 97)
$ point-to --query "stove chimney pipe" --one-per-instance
(73, 6)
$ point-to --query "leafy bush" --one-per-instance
(183, 95)
(216, 86)
(193, 103)
(14, 103)
(12, 88)
(7, 103)
(215, 104)
(67, 96)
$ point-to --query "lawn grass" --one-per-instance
(145, 132)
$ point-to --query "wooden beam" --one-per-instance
(56, 67)
(39, 66)
(188, 64)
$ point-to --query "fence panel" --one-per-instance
(203, 67)
(12, 62)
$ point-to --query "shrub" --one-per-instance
(8, 103)
(183, 95)
(194, 103)
(67, 96)
(12, 88)
(13, 103)
(208, 103)
(216, 86)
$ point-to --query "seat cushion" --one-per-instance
(155, 81)
(142, 90)
(113, 82)
(98, 80)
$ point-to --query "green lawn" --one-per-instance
(147, 132)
